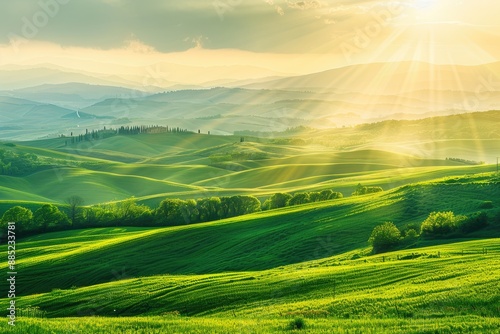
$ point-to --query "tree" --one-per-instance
(49, 216)
(169, 212)
(299, 198)
(74, 203)
(362, 190)
(101, 215)
(208, 208)
(337, 194)
(474, 222)
(128, 212)
(325, 194)
(189, 211)
(314, 196)
(249, 204)
(278, 200)
(21, 216)
(440, 223)
(384, 237)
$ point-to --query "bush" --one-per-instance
(362, 190)
(441, 223)
(297, 323)
(410, 227)
(486, 205)
(384, 237)
(474, 223)
(411, 236)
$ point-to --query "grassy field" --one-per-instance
(310, 261)
(159, 325)
(252, 242)
(444, 288)
(153, 167)
(262, 272)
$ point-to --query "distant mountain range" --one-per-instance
(393, 78)
(61, 102)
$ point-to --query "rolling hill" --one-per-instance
(252, 242)
(259, 272)
(334, 98)
(263, 271)
(187, 165)
(387, 78)
(72, 95)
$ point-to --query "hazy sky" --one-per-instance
(285, 36)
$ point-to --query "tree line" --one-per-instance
(443, 224)
(281, 200)
(169, 212)
(17, 164)
(124, 130)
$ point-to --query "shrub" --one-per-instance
(410, 227)
(474, 223)
(411, 236)
(384, 237)
(362, 190)
(297, 323)
(440, 223)
(486, 205)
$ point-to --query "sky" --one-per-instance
(278, 36)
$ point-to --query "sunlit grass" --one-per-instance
(230, 325)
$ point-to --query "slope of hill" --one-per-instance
(260, 272)
(252, 242)
(426, 285)
(195, 165)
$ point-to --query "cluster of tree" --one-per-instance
(363, 190)
(15, 164)
(388, 236)
(176, 211)
(467, 162)
(170, 212)
(443, 224)
(93, 135)
(124, 130)
(280, 200)
(47, 217)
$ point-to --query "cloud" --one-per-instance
(306, 4)
(264, 26)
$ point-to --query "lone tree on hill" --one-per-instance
(384, 237)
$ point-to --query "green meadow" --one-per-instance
(302, 268)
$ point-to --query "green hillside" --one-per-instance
(152, 167)
(258, 273)
(266, 271)
(251, 242)
(393, 285)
